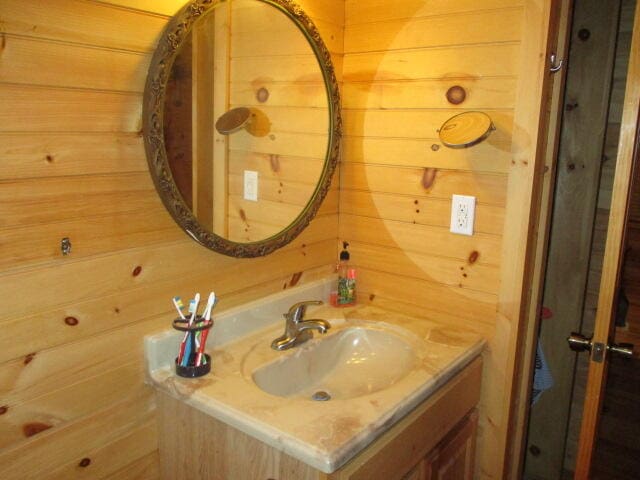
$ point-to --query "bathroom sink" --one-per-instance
(375, 367)
(348, 363)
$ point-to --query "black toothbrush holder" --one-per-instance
(191, 370)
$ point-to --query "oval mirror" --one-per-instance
(242, 123)
(465, 129)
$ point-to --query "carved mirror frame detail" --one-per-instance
(174, 35)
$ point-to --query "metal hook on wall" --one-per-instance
(65, 246)
(555, 67)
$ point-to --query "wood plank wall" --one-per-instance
(72, 164)
(399, 63)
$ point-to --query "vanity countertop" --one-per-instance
(326, 434)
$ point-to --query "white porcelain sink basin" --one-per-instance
(349, 363)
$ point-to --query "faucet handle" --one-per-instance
(297, 310)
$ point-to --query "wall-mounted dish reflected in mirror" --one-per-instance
(207, 122)
(234, 120)
(466, 129)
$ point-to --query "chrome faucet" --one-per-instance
(297, 330)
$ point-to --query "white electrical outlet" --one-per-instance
(463, 209)
(251, 185)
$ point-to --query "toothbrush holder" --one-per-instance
(191, 370)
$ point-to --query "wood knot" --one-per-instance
(473, 257)
(85, 462)
(584, 34)
(137, 271)
(262, 95)
(456, 95)
(295, 278)
(429, 177)
(243, 215)
(4, 409)
(371, 297)
(49, 158)
(71, 321)
(31, 429)
(29, 358)
(274, 160)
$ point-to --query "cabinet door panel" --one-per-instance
(416, 473)
(454, 459)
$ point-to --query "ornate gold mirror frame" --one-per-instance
(174, 35)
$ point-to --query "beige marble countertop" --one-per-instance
(324, 435)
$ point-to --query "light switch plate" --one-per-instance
(463, 209)
(251, 185)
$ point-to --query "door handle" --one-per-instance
(624, 349)
(579, 343)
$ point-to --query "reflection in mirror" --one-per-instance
(465, 129)
(246, 93)
(233, 120)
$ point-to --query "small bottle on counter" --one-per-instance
(346, 280)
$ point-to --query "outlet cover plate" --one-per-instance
(251, 185)
(463, 209)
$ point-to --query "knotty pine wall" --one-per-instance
(72, 164)
(399, 62)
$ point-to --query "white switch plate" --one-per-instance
(463, 209)
(251, 185)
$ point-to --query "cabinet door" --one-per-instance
(417, 472)
(454, 458)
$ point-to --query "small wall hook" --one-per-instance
(555, 67)
(65, 246)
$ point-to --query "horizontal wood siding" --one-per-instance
(73, 403)
(399, 62)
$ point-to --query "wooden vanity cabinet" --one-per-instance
(434, 441)
(453, 459)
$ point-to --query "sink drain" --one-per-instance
(321, 396)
